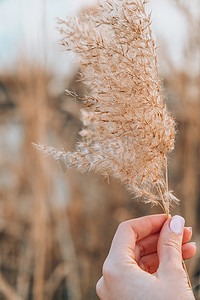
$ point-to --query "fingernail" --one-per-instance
(177, 224)
(190, 228)
(193, 243)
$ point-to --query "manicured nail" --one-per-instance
(193, 243)
(190, 228)
(177, 224)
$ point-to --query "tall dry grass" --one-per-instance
(51, 222)
(35, 210)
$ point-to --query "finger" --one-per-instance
(133, 230)
(100, 288)
(150, 262)
(188, 250)
(170, 248)
(187, 234)
(148, 245)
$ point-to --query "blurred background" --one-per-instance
(56, 225)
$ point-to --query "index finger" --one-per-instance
(129, 232)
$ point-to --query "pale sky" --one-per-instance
(28, 27)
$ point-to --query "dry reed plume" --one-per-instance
(127, 131)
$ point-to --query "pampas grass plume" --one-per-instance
(127, 131)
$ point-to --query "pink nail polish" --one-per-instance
(193, 243)
(177, 224)
(190, 228)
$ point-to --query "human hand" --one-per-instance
(145, 261)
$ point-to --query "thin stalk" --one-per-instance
(167, 212)
(165, 207)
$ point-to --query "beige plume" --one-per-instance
(127, 131)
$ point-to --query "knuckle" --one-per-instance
(99, 287)
(122, 225)
(109, 271)
(174, 244)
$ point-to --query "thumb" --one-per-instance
(170, 247)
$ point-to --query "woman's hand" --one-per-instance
(145, 261)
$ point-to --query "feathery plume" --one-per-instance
(127, 130)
